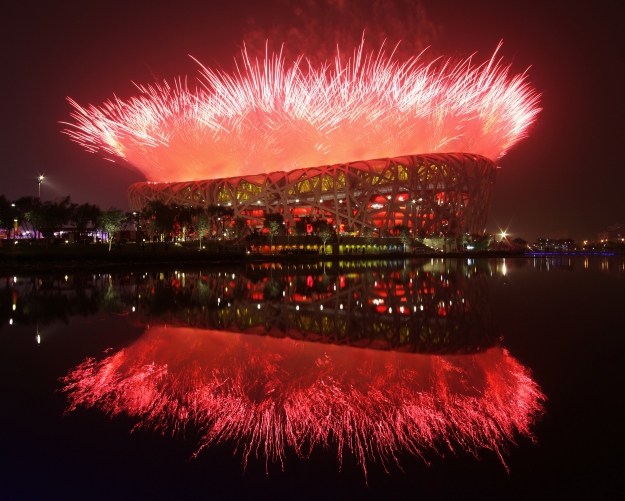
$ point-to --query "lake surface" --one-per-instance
(375, 379)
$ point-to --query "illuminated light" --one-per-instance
(38, 339)
(390, 310)
(321, 307)
(133, 309)
(297, 307)
(14, 307)
(259, 306)
(341, 306)
(10, 321)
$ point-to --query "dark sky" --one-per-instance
(568, 175)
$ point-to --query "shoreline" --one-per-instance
(38, 259)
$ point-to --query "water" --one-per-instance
(453, 378)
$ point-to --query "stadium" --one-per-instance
(434, 194)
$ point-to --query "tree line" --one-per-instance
(46, 218)
(165, 222)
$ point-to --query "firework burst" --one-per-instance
(269, 115)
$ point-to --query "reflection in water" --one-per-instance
(271, 394)
(268, 395)
(440, 306)
(262, 356)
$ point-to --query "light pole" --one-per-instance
(137, 226)
(286, 223)
(39, 181)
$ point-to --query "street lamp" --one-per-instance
(135, 215)
(39, 181)
(286, 223)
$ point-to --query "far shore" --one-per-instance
(44, 258)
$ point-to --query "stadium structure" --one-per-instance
(436, 194)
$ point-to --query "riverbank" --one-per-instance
(25, 258)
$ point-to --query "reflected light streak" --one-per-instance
(269, 396)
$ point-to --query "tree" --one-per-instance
(158, 217)
(226, 213)
(325, 233)
(111, 221)
(368, 235)
(240, 226)
(36, 217)
(301, 225)
(58, 213)
(202, 224)
(6, 219)
(25, 205)
(405, 236)
(273, 223)
(86, 215)
(213, 213)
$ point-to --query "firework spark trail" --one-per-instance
(268, 116)
(268, 396)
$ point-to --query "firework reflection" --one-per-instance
(268, 396)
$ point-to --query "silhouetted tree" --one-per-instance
(158, 217)
(6, 214)
(240, 226)
(23, 207)
(86, 215)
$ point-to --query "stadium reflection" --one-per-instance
(437, 306)
(266, 388)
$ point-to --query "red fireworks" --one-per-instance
(268, 395)
(269, 116)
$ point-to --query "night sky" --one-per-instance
(565, 179)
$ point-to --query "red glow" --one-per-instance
(268, 395)
(270, 117)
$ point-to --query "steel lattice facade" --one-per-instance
(435, 193)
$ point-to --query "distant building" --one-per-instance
(614, 233)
